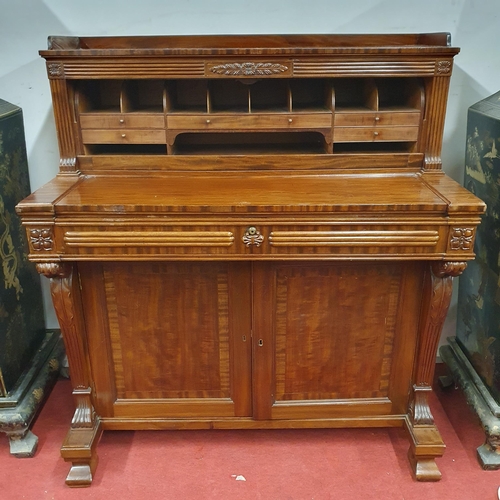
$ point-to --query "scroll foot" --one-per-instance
(426, 444)
(79, 448)
(424, 468)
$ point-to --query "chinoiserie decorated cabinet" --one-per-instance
(250, 232)
(474, 355)
(29, 355)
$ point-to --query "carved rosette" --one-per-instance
(249, 69)
(55, 69)
(41, 239)
(443, 67)
(462, 238)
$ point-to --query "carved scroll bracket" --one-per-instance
(66, 298)
(438, 301)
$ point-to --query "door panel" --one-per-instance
(331, 331)
(175, 338)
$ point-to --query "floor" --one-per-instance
(340, 464)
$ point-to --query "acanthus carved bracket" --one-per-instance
(54, 269)
(448, 269)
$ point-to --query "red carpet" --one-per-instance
(269, 465)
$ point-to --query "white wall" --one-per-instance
(25, 25)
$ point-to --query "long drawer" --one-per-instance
(265, 239)
(251, 121)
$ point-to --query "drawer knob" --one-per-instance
(124, 135)
(208, 122)
(377, 118)
(122, 120)
(290, 120)
(252, 236)
(375, 134)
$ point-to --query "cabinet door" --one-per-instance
(169, 340)
(334, 340)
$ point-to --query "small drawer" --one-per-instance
(128, 136)
(250, 121)
(356, 119)
(375, 134)
(121, 120)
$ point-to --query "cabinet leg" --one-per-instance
(23, 445)
(426, 444)
(79, 448)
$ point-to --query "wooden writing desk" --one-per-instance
(250, 232)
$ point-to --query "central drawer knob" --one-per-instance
(252, 236)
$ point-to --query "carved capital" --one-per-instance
(84, 416)
(420, 412)
(67, 164)
(448, 269)
(54, 269)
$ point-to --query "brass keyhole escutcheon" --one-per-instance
(253, 237)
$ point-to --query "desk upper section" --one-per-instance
(314, 101)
